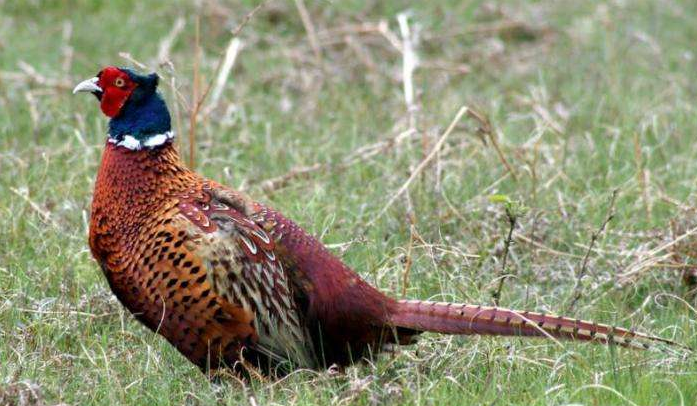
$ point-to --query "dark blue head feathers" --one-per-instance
(145, 113)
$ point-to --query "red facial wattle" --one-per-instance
(117, 87)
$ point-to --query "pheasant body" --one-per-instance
(231, 282)
(188, 265)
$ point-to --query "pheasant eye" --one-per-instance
(119, 82)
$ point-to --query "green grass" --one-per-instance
(616, 77)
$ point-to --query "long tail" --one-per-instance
(452, 318)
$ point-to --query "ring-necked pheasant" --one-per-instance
(225, 278)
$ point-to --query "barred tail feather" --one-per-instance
(452, 318)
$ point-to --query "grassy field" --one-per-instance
(584, 98)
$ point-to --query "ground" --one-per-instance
(571, 102)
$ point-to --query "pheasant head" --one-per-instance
(139, 115)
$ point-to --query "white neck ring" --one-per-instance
(135, 144)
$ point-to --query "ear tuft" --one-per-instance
(153, 79)
(146, 81)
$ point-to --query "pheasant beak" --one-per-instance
(89, 85)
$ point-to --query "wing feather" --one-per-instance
(243, 268)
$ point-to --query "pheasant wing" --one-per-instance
(242, 267)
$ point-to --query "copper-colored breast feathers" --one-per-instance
(151, 254)
(181, 257)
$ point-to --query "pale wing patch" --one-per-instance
(259, 286)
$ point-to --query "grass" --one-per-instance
(584, 97)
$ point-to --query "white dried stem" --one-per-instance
(409, 62)
(163, 53)
(229, 59)
(310, 29)
(67, 51)
(463, 110)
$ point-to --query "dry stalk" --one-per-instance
(361, 53)
(198, 100)
(44, 214)
(246, 18)
(177, 110)
(578, 289)
(310, 30)
(408, 260)
(349, 29)
(409, 63)
(193, 114)
(278, 182)
(499, 152)
(361, 154)
(682, 206)
(411, 219)
(496, 296)
(547, 118)
(651, 258)
(384, 30)
(163, 53)
(533, 173)
(544, 248)
(28, 75)
(689, 273)
(497, 28)
(228, 62)
(67, 51)
(423, 164)
(642, 175)
(485, 131)
(127, 56)
(365, 28)
(457, 68)
(33, 111)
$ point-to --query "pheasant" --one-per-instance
(232, 283)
